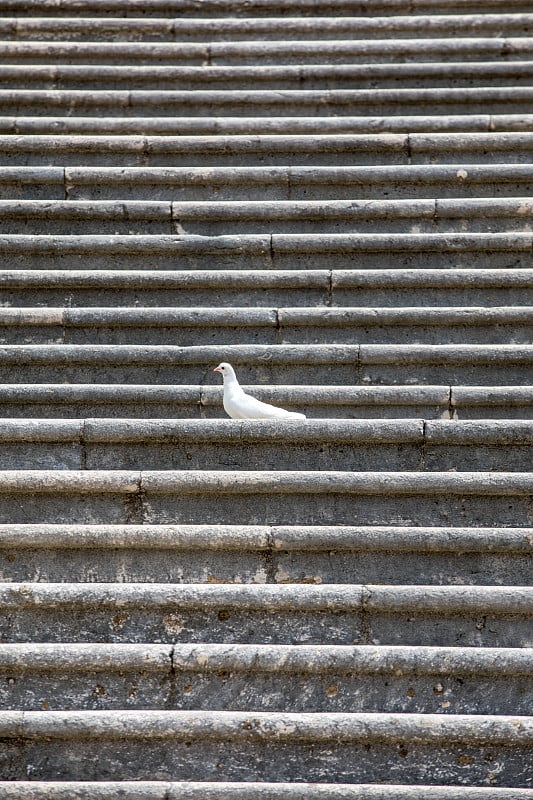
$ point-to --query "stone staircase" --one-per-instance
(334, 196)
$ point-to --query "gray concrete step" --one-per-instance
(216, 218)
(301, 53)
(228, 790)
(268, 150)
(248, 677)
(190, 327)
(275, 251)
(260, 288)
(224, 444)
(265, 554)
(281, 183)
(229, 745)
(264, 102)
(311, 497)
(205, 126)
(408, 615)
(186, 401)
(321, 76)
(284, 27)
(257, 8)
(314, 365)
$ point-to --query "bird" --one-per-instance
(239, 405)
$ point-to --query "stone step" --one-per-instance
(193, 288)
(313, 365)
(281, 183)
(197, 326)
(269, 251)
(216, 218)
(285, 28)
(225, 745)
(321, 76)
(248, 790)
(257, 8)
(206, 126)
(300, 53)
(269, 150)
(224, 444)
(274, 678)
(258, 554)
(264, 102)
(280, 497)
(413, 615)
(186, 401)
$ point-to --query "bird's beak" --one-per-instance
(217, 369)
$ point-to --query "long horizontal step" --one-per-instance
(360, 678)
(186, 401)
(206, 126)
(311, 364)
(248, 790)
(336, 150)
(280, 482)
(263, 102)
(284, 27)
(306, 612)
(278, 319)
(278, 216)
(298, 287)
(279, 497)
(308, 52)
(260, 726)
(266, 538)
(283, 445)
(321, 76)
(196, 326)
(259, 554)
(216, 8)
(430, 432)
(414, 145)
(203, 280)
(277, 244)
(266, 183)
(247, 745)
(487, 663)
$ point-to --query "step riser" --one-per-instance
(250, 456)
(328, 224)
(476, 374)
(317, 154)
(498, 333)
(334, 189)
(140, 258)
(53, 183)
(241, 691)
(142, 409)
(269, 297)
(208, 566)
(166, 81)
(296, 106)
(306, 508)
(283, 28)
(272, 8)
(207, 126)
(220, 761)
(175, 624)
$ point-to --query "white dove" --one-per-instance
(239, 405)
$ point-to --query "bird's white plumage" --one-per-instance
(239, 405)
